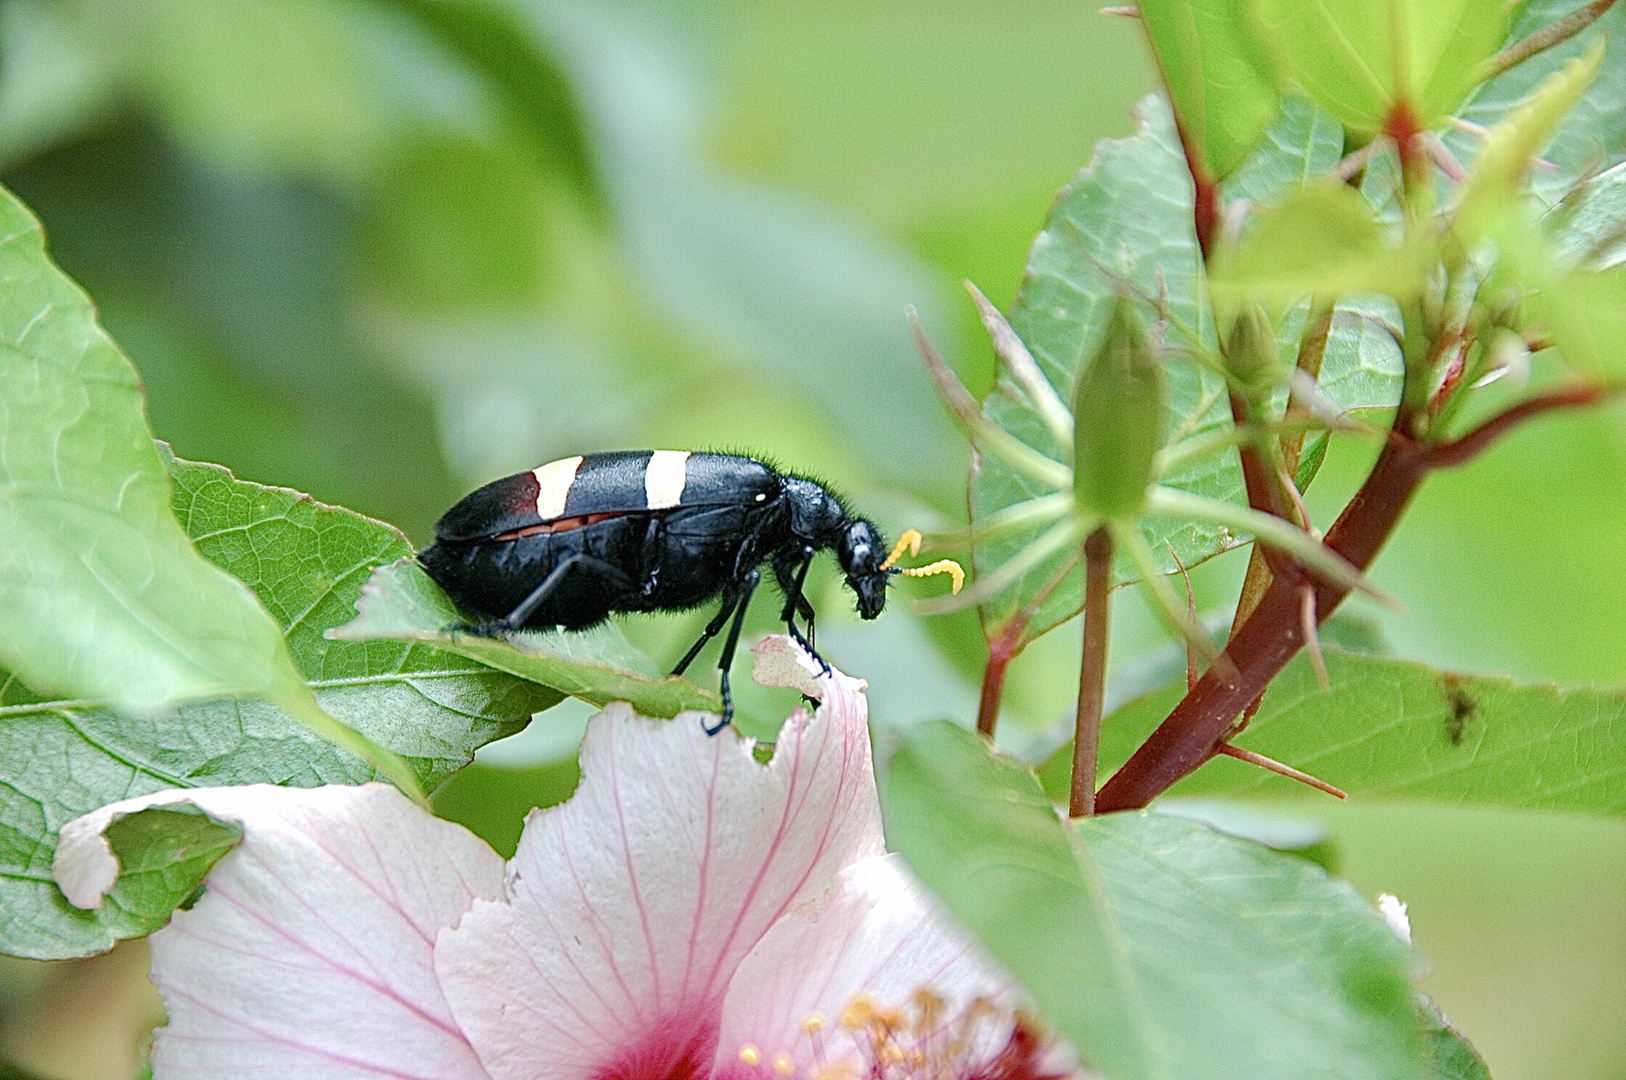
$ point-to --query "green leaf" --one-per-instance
(400, 602)
(1220, 94)
(1160, 947)
(1595, 131)
(1499, 172)
(308, 561)
(62, 758)
(1322, 239)
(492, 801)
(1301, 146)
(1586, 317)
(1124, 224)
(1305, 838)
(164, 853)
(1360, 59)
(1362, 367)
(1118, 417)
(1450, 1055)
(978, 830)
(1398, 729)
(102, 596)
(1589, 226)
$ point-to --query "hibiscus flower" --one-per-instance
(689, 913)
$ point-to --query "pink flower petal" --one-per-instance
(880, 939)
(629, 907)
(310, 953)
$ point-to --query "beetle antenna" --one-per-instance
(941, 566)
(909, 540)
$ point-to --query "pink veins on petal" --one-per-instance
(686, 914)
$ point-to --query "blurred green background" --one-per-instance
(385, 251)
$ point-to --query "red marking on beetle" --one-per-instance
(556, 525)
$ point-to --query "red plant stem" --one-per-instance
(1004, 647)
(1001, 651)
(1262, 494)
(1092, 671)
(1256, 472)
(1205, 210)
(1271, 636)
(1273, 633)
(1401, 125)
(1553, 33)
(1462, 449)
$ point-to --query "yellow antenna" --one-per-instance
(910, 541)
(941, 566)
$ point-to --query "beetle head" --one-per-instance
(863, 556)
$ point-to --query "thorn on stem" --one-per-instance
(1353, 164)
(1191, 613)
(1312, 641)
(1478, 131)
(1297, 497)
(1272, 765)
(1444, 158)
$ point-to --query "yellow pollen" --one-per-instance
(857, 1013)
(928, 1037)
(750, 1055)
(783, 1065)
(813, 1024)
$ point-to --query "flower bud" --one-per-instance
(1118, 419)
(1250, 349)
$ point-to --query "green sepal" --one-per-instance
(1118, 415)
(1500, 169)
(1250, 349)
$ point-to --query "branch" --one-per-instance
(1272, 635)
(1554, 33)
(1092, 671)
(1465, 448)
(1004, 646)
(1001, 651)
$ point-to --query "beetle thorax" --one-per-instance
(815, 515)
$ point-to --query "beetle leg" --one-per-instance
(515, 619)
(727, 660)
(805, 607)
(730, 598)
(795, 601)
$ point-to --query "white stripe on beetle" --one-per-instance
(664, 479)
(553, 482)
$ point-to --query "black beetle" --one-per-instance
(566, 544)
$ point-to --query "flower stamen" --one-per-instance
(931, 1039)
